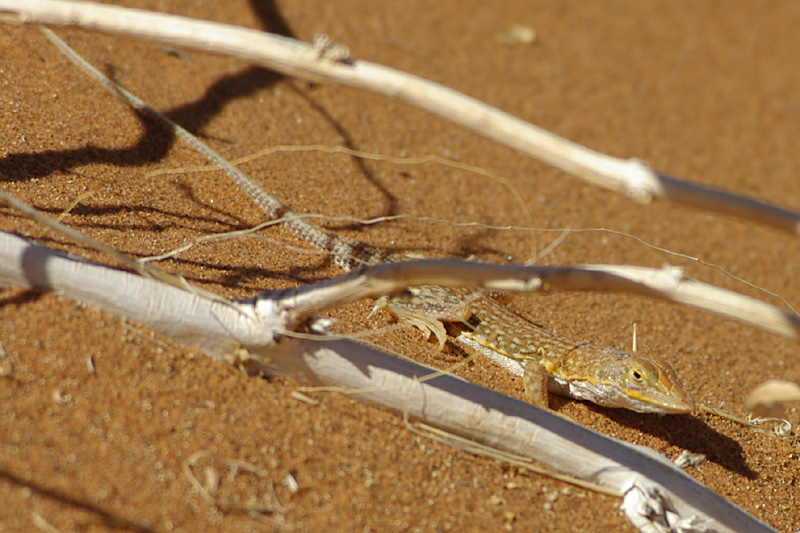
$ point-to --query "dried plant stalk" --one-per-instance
(327, 63)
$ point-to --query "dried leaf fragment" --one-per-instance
(769, 399)
(516, 34)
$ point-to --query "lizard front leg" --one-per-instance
(536, 381)
(427, 308)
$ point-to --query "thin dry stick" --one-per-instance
(431, 158)
(323, 62)
(518, 461)
(563, 234)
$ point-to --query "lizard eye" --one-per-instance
(642, 373)
(636, 374)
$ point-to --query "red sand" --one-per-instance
(695, 90)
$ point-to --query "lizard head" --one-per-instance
(619, 379)
(652, 386)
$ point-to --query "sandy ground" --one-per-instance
(697, 91)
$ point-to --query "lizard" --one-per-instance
(548, 363)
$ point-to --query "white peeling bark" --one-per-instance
(645, 478)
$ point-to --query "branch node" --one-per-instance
(328, 50)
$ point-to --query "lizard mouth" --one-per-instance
(660, 400)
(668, 398)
